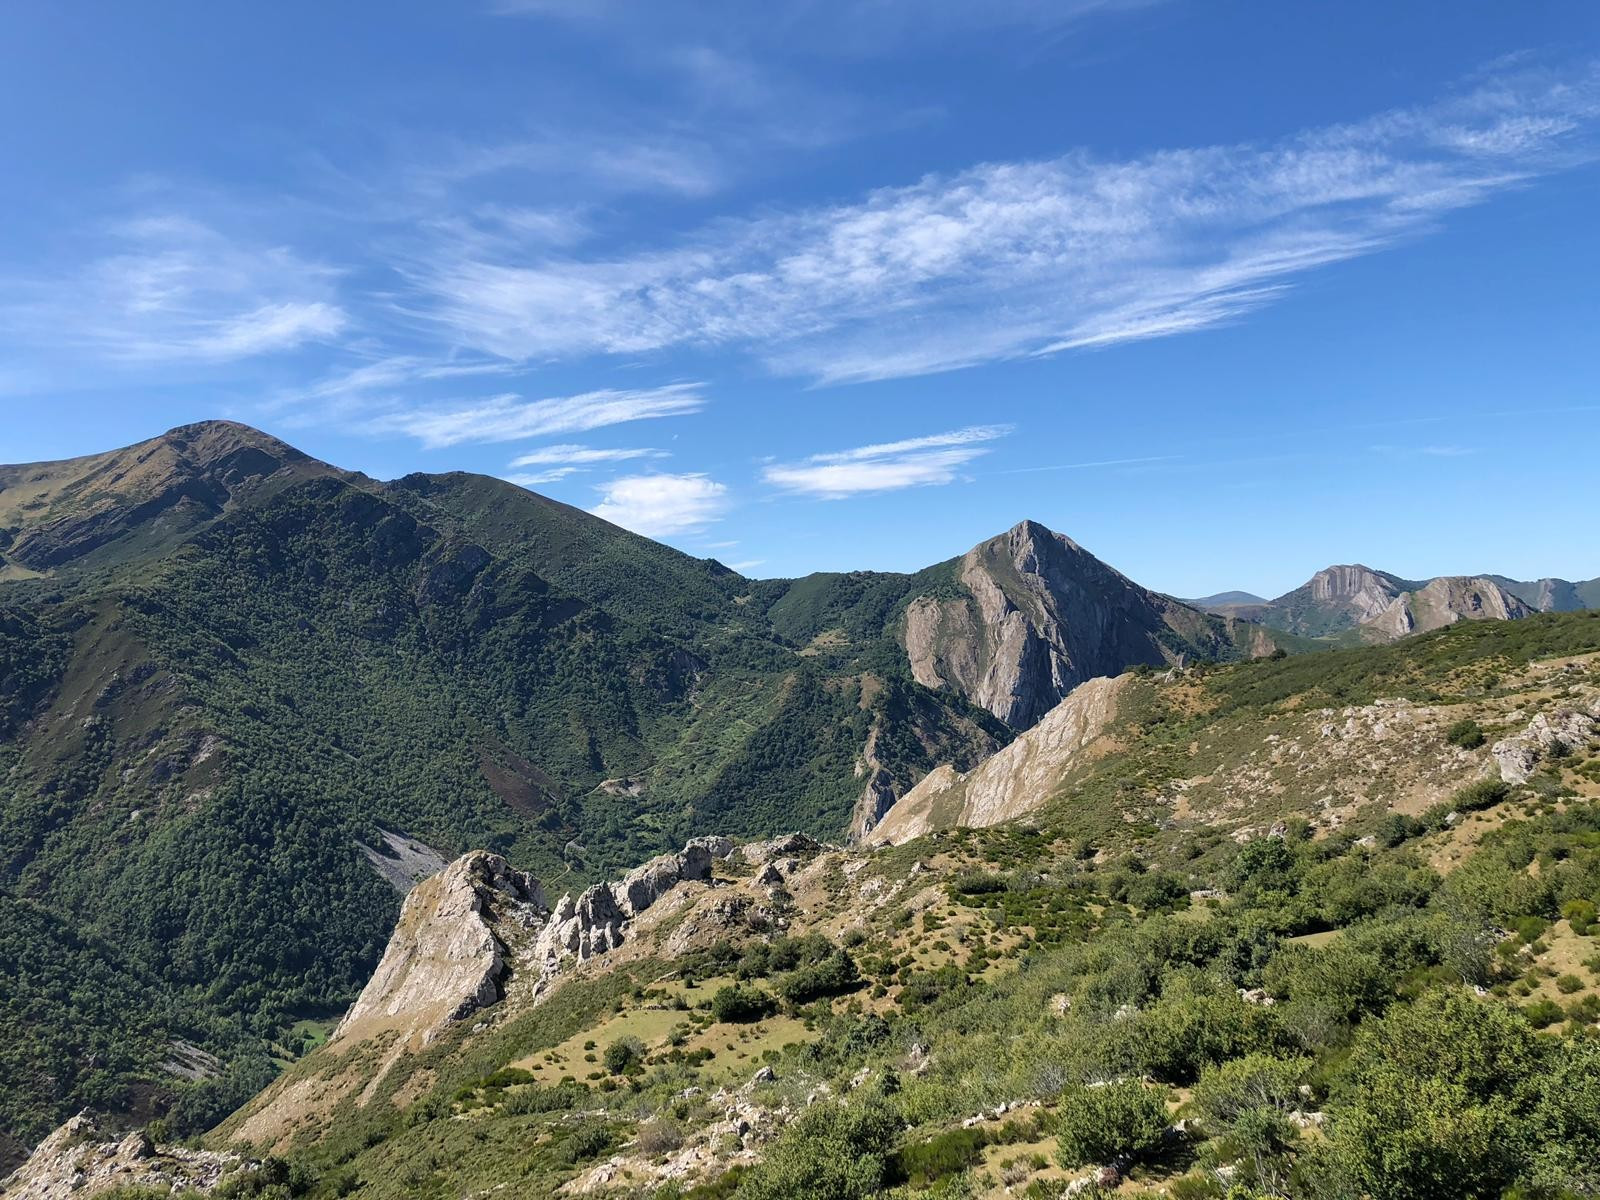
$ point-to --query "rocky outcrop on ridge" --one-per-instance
(81, 1159)
(1547, 736)
(466, 932)
(1383, 607)
(1444, 601)
(1013, 781)
(593, 922)
(446, 958)
(1039, 615)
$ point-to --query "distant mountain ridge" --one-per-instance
(1352, 601)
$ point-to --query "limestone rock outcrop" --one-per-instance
(790, 845)
(466, 932)
(81, 1159)
(1442, 602)
(1013, 781)
(1039, 615)
(446, 958)
(1547, 736)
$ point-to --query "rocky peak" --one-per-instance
(1039, 615)
(1444, 601)
(56, 512)
(1350, 581)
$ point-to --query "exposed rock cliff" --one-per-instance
(81, 1159)
(1038, 616)
(465, 933)
(1013, 781)
(447, 956)
(1444, 601)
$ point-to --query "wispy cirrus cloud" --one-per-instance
(662, 505)
(1012, 259)
(169, 288)
(555, 463)
(887, 466)
(508, 418)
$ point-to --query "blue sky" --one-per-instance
(1226, 292)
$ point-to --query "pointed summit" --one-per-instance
(1039, 614)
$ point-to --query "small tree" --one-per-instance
(622, 1055)
(740, 1003)
(1101, 1124)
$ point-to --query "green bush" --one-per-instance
(921, 1163)
(833, 976)
(1113, 1121)
(1486, 793)
(830, 1151)
(738, 1003)
(1465, 733)
(623, 1055)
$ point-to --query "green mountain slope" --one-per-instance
(233, 674)
(205, 719)
(1233, 992)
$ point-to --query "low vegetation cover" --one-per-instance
(1331, 1021)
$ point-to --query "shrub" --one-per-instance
(1100, 1124)
(977, 883)
(829, 1152)
(586, 1141)
(921, 1163)
(833, 976)
(1465, 733)
(1486, 793)
(660, 1136)
(1582, 914)
(739, 1003)
(1568, 984)
(622, 1055)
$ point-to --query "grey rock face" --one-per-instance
(594, 922)
(790, 845)
(643, 886)
(1546, 736)
(1444, 601)
(445, 960)
(1040, 616)
(81, 1159)
(714, 844)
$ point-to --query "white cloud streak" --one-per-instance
(561, 461)
(662, 505)
(887, 466)
(175, 290)
(581, 455)
(509, 418)
(1007, 260)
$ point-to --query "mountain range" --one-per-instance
(238, 680)
(250, 699)
(1356, 603)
